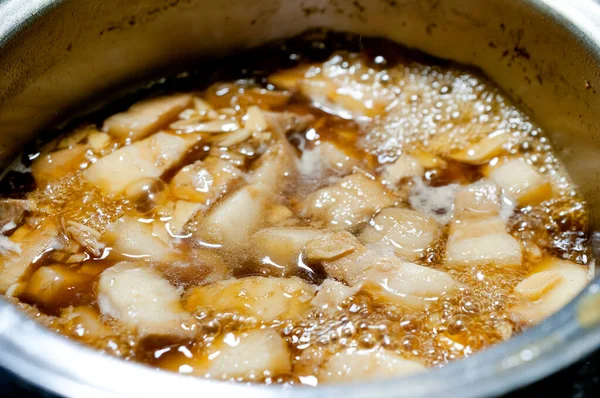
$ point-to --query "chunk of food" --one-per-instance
(148, 158)
(132, 238)
(407, 284)
(204, 266)
(336, 158)
(204, 181)
(55, 286)
(522, 182)
(275, 168)
(184, 212)
(483, 150)
(283, 123)
(331, 246)
(12, 211)
(226, 225)
(86, 236)
(83, 323)
(405, 166)
(434, 202)
(481, 199)
(253, 355)
(15, 264)
(265, 299)
(348, 203)
(281, 247)
(354, 364)
(139, 298)
(493, 249)
(146, 117)
(331, 294)
(55, 165)
(407, 231)
(548, 290)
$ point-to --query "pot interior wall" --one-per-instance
(83, 50)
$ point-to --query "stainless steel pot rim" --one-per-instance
(52, 362)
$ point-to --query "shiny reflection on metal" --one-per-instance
(56, 55)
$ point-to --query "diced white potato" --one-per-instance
(262, 298)
(522, 182)
(483, 150)
(282, 245)
(146, 117)
(184, 212)
(56, 285)
(354, 364)
(548, 290)
(496, 249)
(473, 228)
(481, 199)
(331, 245)
(204, 181)
(407, 284)
(132, 238)
(83, 323)
(251, 355)
(204, 267)
(98, 141)
(407, 231)
(148, 158)
(231, 222)
(331, 294)
(348, 203)
(86, 236)
(56, 165)
(139, 298)
(278, 214)
(32, 246)
(404, 167)
(255, 120)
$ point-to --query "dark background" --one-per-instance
(581, 380)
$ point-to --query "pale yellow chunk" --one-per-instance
(546, 292)
(84, 323)
(348, 203)
(184, 211)
(404, 167)
(139, 298)
(132, 238)
(331, 245)
(274, 168)
(522, 182)
(484, 150)
(331, 294)
(146, 117)
(251, 355)
(204, 181)
(335, 158)
(408, 284)
(31, 247)
(56, 285)
(56, 165)
(481, 199)
(475, 227)
(354, 364)
(262, 298)
(282, 245)
(496, 249)
(148, 158)
(407, 231)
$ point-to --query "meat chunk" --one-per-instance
(55, 165)
(355, 364)
(12, 211)
(548, 290)
(262, 298)
(522, 182)
(348, 203)
(148, 158)
(280, 247)
(56, 286)
(204, 181)
(33, 245)
(405, 231)
(131, 238)
(331, 294)
(407, 284)
(405, 166)
(483, 150)
(251, 355)
(86, 236)
(146, 117)
(139, 298)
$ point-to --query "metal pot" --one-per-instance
(56, 55)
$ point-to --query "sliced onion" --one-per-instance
(199, 125)
(234, 138)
